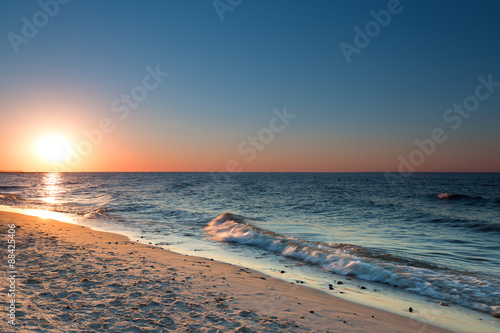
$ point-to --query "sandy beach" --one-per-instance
(74, 279)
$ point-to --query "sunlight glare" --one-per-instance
(53, 148)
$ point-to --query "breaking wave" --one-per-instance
(351, 260)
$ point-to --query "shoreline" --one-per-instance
(97, 280)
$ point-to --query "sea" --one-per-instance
(385, 240)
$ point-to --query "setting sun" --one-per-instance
(53, 148)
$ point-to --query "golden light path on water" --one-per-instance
(51, 189)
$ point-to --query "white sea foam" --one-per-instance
(346, 259)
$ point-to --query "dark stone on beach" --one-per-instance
(262, 278)
(496, 314)
(245, 314)
(244, 329)
(362, 287)
(311, 311)
(282, 272)
(443, 304)
(410, 309)
(330, 287)
(340, 282)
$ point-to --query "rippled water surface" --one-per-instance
(435, 235)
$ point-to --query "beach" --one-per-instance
(73, 278)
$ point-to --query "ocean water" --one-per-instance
(432, 235)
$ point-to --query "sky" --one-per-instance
(252, 86)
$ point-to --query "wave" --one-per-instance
(10, 198)
(89, 212)
(11, 187)
(454, 196)
(475, 225)
(97, 213)
(466, 198)
(351, 260)
(451, 196)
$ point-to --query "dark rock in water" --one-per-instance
(410, 309)
(340, 282)
(363, 287)
(330, 287)
(496, 315)
(443, 304)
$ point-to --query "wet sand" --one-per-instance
(74, 279)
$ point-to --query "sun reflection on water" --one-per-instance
(52, 188)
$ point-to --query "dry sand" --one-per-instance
(75, 279)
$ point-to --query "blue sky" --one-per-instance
(226, 77)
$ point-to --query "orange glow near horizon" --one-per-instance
(62, 136)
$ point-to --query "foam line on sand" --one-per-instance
(73, 278)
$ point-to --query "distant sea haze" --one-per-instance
(434, 235)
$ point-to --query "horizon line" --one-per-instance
(247, 172)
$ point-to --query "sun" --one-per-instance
(53, 148)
